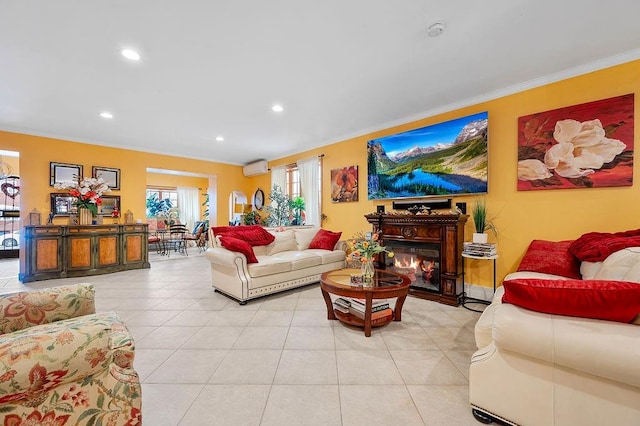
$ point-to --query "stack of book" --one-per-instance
(341, 304)
(480, 249)
(380, 310)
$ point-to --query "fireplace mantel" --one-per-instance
(447, 230)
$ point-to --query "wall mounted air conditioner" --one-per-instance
(256, 168)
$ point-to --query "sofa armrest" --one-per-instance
(29, 308)
(601, 348)
(38, 359)
(224, 257)
(342, 245)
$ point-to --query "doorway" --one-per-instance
(9, 204)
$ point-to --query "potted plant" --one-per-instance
(482, 222)
(252, 218)
(297, 207)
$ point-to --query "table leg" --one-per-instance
(397, 313)
(367, 315)
(327, 300)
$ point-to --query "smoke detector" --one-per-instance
(436, 29)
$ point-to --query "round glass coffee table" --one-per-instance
(386, 284)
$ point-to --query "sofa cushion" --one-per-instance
(269, 265)
(597, 246)
(300, 259)
(64, 351)
(237, 245)
(328, 256)
(260, 250)
(598, 299)
(551, 257)
(254, 235)
(29, 308)
(304, 236)
(283, 241)
(325, 240)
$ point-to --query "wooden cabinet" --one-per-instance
(93, 247)
(135, 246)
(46, 254)
(74, 251)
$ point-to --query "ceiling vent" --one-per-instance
(256, 168)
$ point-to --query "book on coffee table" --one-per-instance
(384, 314)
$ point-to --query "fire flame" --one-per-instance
(410, 265)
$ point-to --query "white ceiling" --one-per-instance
(340, 68)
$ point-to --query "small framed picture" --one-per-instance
(110, 176)
(64, 173)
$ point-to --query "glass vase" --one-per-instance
(84, 216)
(367, 273)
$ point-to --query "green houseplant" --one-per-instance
(482, 221)
(156, 207)
(297, 207)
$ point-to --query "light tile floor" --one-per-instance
(205, 360)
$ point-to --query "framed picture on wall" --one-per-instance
(582, 146)
(64, 173)
(110, 176)
(344, 184)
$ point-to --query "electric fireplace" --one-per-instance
(419, 261)
(427, 248)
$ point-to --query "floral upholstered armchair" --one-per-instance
(63, 364)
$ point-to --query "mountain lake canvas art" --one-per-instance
(448, 158)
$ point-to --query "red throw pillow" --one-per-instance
(237, 245)
(599, 299)
(551, 257)
(325, 240)
(254, 235)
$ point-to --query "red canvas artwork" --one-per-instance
(344, 184)
(582, 146)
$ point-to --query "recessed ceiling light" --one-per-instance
(219, 138)
(436, 29)
(130, 54)
(105, 114)
(277, 108)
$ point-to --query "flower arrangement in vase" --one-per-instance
(88, 195)
(364, 248)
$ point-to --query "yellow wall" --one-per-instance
(521, 216)
(37, 152)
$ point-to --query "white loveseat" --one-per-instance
(286, 263)
(535, 368)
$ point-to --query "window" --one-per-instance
(293, 181)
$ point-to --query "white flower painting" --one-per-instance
(583, 146)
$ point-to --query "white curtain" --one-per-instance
(189, 206)
(278, 177)
(310, 188)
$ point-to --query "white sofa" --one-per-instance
(534, 368)
(286, 263)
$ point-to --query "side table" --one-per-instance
(466, 299)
